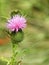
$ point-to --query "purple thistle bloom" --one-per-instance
(16, 23)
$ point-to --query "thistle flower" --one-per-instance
(16, 23)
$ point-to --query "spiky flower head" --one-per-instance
(16, 23)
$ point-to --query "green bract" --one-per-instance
(17, 37)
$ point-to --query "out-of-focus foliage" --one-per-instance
(34, 49)
(3, 63)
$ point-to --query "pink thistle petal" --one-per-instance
(16, 23)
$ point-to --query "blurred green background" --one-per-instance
(34, 49)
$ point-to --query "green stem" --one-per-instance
(14, 54)
(13, 58)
